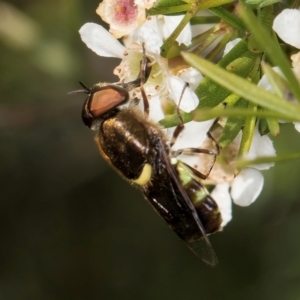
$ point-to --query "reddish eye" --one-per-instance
(106, 99)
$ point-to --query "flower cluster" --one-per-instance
(145, 22)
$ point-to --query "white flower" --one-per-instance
(159, 29)
(296, 64)
(123, 16)
(169, 23)
(147, 4)
(287, 26)
(230, 45)
(161, 86)
(265, 84)
(222, 197)
(244, 188)
(99, 40)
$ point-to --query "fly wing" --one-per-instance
(201, 245)
(203, 249)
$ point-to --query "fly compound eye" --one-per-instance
(106, 99)
(101, 101)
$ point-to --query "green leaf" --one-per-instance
(273, 126)
(233, 126)
(220, 46)
(240, 61)
(200, 20)
(248, 132)
(278, 83)
(191, 10)
(261, 3)
(164, 3)
(270, 46)
(263, 127)
(173, 120)
(168, 10)
(265, 16)
(165, 48)
(228, 17)
(243, 163)
(200, 115)
(244, 88)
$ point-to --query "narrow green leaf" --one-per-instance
(173, 120)
(265, 16)
(210, 92)
(243, 65)
(261, 3)
(198, 20)
(273, 126)
(193, 7)
(270, 46)
(243, 163)
(228, 17)
(233, 126)
(220, 46)
(165, 48)
(206, 114)
(277, 82)
(209, 40)
(164, 3)
(168, 10)
(244, 88)
(248, 132)
(263, 127)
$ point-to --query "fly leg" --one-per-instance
(194, 151)
(179, 128)
(145, 70)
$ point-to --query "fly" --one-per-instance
(137, 149)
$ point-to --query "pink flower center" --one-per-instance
(126, 11)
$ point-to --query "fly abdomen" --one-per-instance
(206, 207)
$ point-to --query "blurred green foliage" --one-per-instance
(70, 228)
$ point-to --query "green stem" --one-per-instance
(248, 132)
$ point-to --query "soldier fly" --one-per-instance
(137, 149)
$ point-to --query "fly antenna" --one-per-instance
(86, 90)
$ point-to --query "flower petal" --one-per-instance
(149, 29)
(230, 45)
(145, 4)
(189, 100)
(287, 26)
(155, 110)
(295, 58)
(170, 23)
(190, 75)
(246, 187)
(101, 41)
(297, 126)
(221, 195)
(122, 16)
(192, 136)
(264, 81)
(261, 146)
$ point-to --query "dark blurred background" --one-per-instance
(70, 228)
